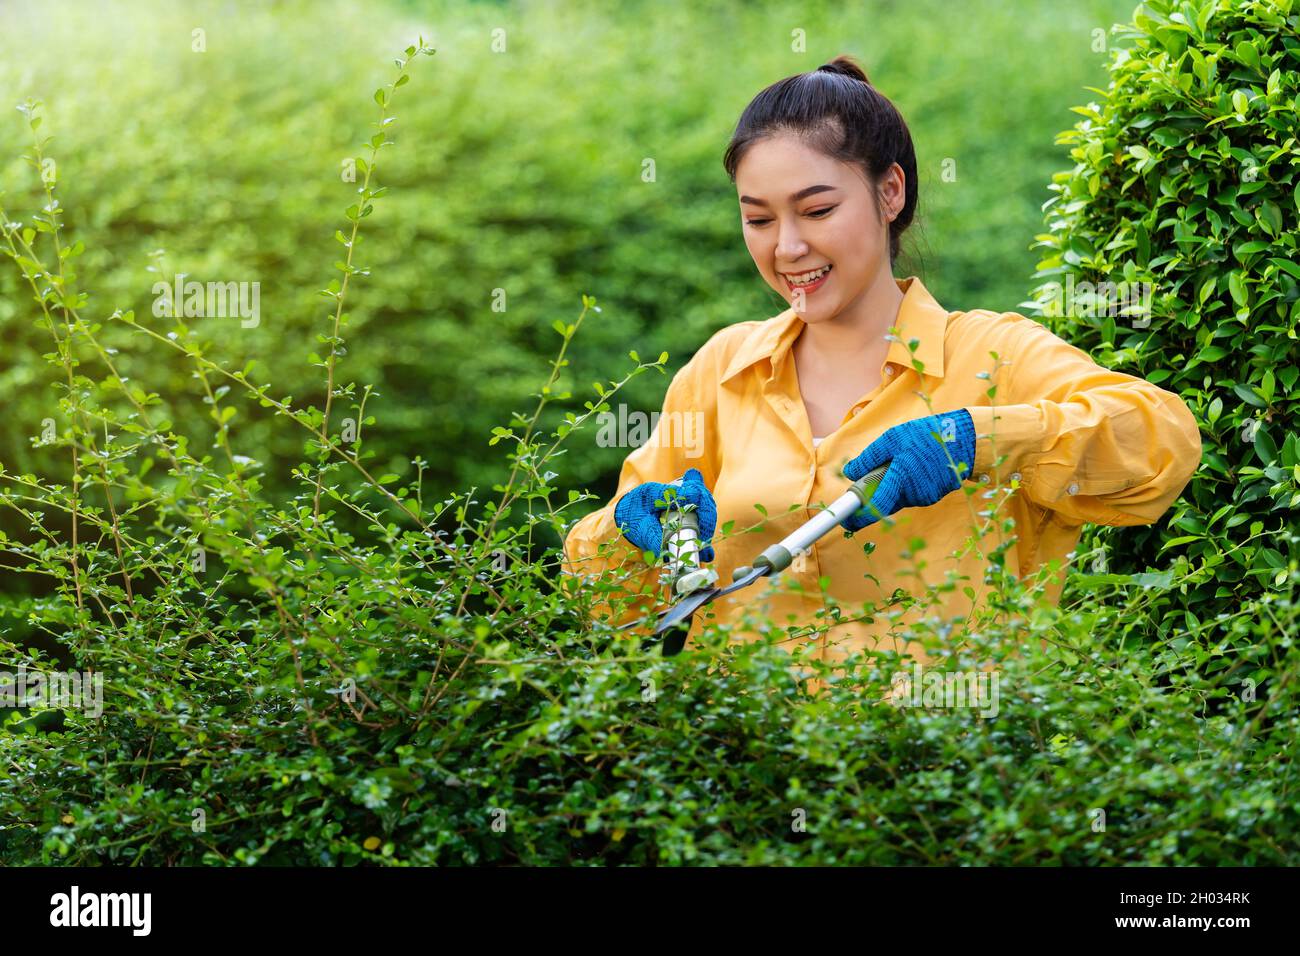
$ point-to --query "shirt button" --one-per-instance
(1074, 488)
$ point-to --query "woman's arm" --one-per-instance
(1092, 444)
(682, 438)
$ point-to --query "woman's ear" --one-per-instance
(892, 190)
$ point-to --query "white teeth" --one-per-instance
(808, 277)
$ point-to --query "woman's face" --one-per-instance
(802, 211)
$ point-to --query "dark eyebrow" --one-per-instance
(801, 194)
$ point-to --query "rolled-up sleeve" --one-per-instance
(1092, 444)
(681, 438)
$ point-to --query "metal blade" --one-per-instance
(684, 608)
(688, 605)
(753, 575)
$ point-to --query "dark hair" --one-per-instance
(837, 111)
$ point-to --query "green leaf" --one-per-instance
(1265, 447)
(1207, 290)
(1140, 152)
(1247, 395)
(1270, 217)
(1287, 266)
(1246, 53)
(1237, 288)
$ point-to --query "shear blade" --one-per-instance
(753, 575)
(686, 607)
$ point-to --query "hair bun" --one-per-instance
(845, 66)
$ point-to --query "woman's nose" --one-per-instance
(790, 246)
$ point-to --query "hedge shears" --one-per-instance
(694, 585)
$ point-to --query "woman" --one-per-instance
(795, 405)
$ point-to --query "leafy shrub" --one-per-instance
(1184, 178)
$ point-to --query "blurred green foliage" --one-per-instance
(519, 170)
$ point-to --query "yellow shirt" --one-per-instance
(1082, 443)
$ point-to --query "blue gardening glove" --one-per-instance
(920, 473)
(637, 512)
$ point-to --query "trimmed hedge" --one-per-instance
(1186, 178)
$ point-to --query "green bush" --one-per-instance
(1185, 178)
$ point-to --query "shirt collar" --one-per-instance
(919, 317)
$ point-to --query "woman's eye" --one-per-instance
(819, 213)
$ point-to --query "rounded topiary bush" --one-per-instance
(1172, 256)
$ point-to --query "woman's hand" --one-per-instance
(920, 472)
(637, 512)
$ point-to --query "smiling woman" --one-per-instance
(832, 127)
(864, 370)
(828, 248)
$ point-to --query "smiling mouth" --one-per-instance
(806, 280)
